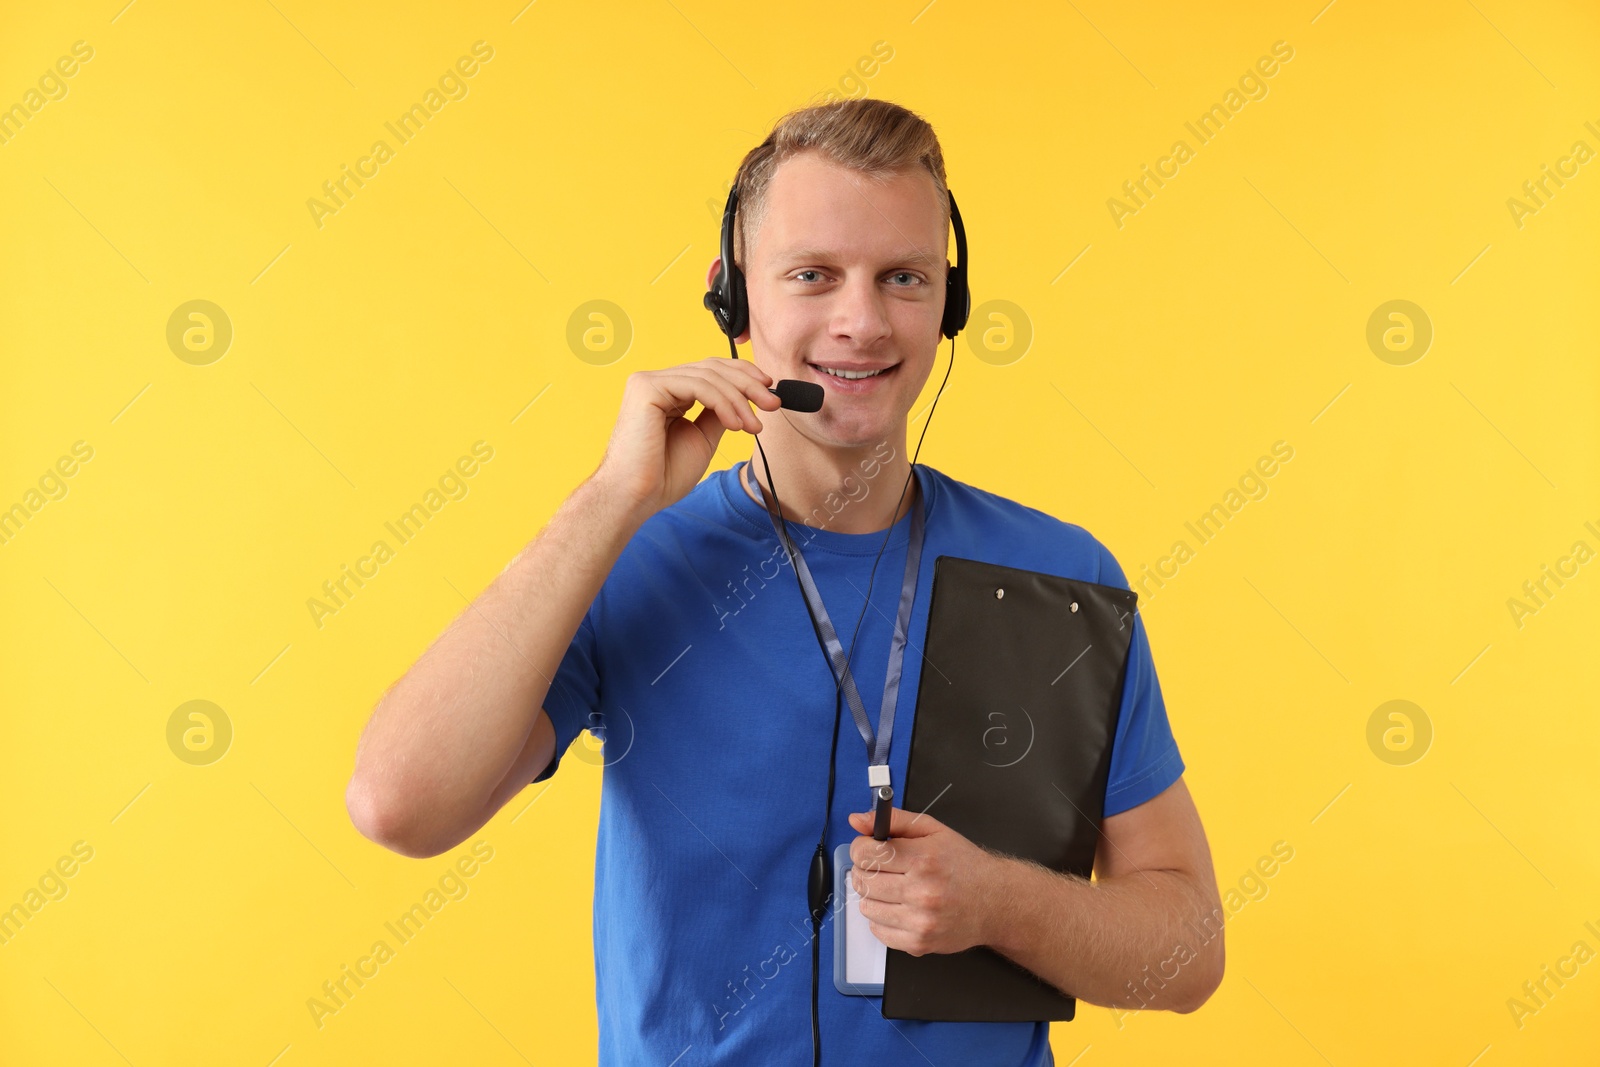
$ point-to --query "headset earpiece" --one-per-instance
(726, 298)
(957, 295)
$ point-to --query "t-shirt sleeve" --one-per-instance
(573, 702)
(1144, 755)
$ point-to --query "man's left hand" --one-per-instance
(927, 888)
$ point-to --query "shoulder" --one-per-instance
(1029, 536)
(702, 512)
(687, 537)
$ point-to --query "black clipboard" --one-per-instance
(1017, 708)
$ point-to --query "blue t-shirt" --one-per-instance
(698, 666)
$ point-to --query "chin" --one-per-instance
(857, 432)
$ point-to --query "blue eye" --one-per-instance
(798, 278)
(905, 274)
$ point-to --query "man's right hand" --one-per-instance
(655, 455)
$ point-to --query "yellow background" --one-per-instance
(589, 161)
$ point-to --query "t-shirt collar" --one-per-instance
(754, 517)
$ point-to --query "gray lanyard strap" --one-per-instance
(877, 746)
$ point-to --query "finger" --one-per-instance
(667, 392)
(741, 391)
(677, 391)
(748, 379)
(884, 886)
(748, 368)
(710, 429)
(902, 823)
(736, 366)
(738, 389)
(892, 917)
(889, 936)
(871, 854)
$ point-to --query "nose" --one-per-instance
(858, 312)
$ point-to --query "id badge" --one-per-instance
(858, 956)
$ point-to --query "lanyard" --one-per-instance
(877, 744)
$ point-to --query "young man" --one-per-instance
(654, 606)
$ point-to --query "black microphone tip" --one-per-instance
(799, 396)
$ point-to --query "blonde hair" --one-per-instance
(877, 138)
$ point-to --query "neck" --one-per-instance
(847, 490)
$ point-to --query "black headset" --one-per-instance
(729, 305)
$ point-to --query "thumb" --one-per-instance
(710, 428)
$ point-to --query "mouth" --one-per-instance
(850, 379)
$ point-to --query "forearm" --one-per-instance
(444, 736)
(1149, 939)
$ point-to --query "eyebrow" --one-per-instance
(815, 254)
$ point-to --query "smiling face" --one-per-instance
(846, 273)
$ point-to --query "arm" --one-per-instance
(1146, 933)
(465, 729)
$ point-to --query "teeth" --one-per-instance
(852, 375)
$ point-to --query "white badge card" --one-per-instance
(858, 956)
